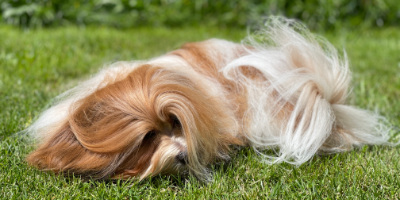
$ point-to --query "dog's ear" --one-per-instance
(63, 153)
(97, 135)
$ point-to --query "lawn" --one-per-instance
(37, 65)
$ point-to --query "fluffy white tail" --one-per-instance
(298, 109)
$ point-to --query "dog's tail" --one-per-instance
(297, 108)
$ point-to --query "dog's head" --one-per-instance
(155, 120)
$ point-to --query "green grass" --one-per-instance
(36, 65)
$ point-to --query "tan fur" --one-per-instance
(183, 111)
(106, 134)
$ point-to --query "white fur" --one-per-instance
(301, 72)
(310, 76)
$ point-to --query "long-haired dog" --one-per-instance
(282, 89)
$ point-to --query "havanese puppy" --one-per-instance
(281, 89)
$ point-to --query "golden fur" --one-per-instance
(183, 111)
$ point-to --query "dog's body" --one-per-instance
(183, 111)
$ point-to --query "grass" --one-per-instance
(36, 65)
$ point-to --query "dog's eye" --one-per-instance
(149, 135)
(175, 122)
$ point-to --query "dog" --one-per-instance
(282, 89)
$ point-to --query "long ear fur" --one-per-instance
(53, 133)
(300, 107)
(57, 114)
(63, 153)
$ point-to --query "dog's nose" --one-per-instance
(182, 157)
